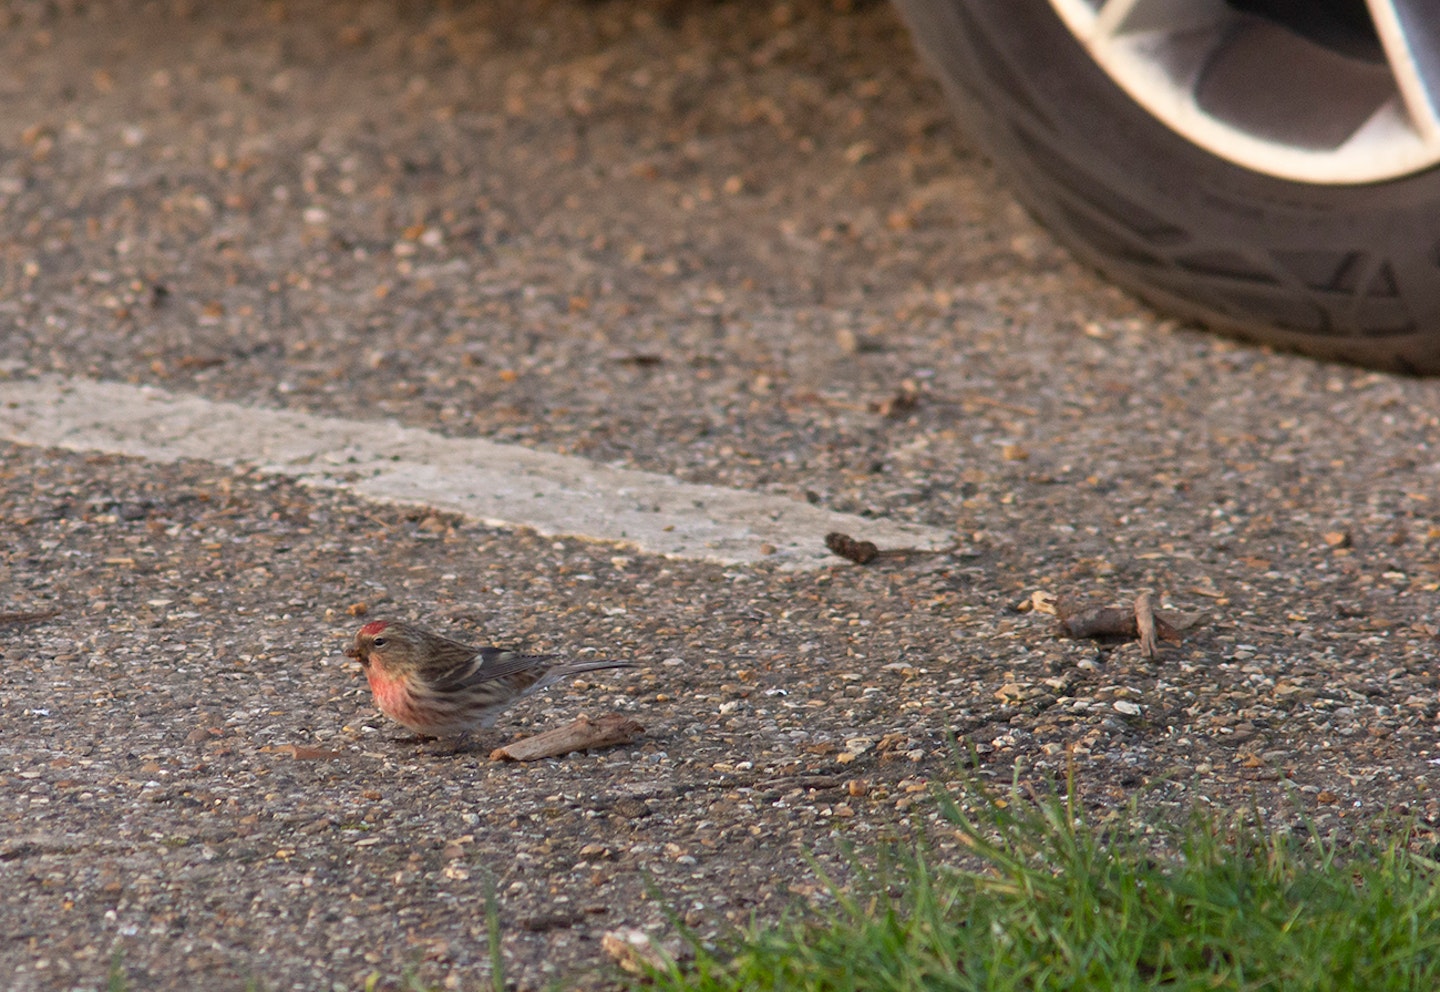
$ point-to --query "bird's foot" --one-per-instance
(461, 744)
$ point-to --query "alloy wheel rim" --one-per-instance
(1358, 103)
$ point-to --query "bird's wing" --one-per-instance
(488, 664)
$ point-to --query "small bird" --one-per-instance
(438, 687)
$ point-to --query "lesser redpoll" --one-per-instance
(438, 687)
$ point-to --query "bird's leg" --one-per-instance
(460, 744)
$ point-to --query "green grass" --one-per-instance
(116, 980)
(1050, 901)
(492, 927)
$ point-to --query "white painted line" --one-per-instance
(501, 485)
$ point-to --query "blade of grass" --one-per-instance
(1042, 899)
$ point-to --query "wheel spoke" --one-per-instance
(1120, 17)
(1099, 23)
(1411, 39)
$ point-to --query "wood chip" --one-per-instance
(1099, 621)
(864, 552)
(860, 552)
(1145, 624)
(1126, 623)
(581, 734)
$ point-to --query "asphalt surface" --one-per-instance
(737, 244)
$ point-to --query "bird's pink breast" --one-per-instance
(392, 696)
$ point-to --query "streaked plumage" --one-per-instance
(438, 687)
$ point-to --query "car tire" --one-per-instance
(1347, 271)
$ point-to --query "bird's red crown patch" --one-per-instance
(374, 627)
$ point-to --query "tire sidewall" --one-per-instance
(1348, 272)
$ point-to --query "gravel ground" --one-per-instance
(739, 243)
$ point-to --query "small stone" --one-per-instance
(1009, 693)
(633, 950)
(630, 808)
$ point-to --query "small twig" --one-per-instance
(581, 734)
(16, 619)
(1024, 411)
(803, 782)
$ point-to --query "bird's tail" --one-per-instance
(576, 667)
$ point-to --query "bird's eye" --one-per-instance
(379, 642)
